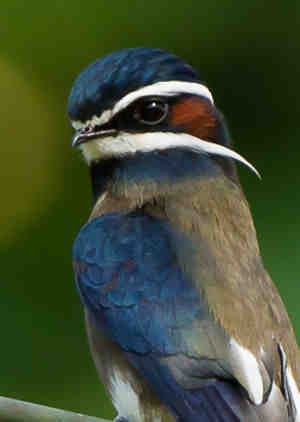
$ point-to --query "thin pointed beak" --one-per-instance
(80, 137)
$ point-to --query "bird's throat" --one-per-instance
(146, 177)
(101, 175)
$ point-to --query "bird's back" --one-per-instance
(184, 322)
(136, 272)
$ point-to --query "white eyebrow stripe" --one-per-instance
(168, 88)
(93, 121)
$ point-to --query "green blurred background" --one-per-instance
(247, 52)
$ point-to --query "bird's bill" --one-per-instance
(80, 137)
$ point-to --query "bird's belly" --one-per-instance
(134, 406)
(124, 397)
(129, 392)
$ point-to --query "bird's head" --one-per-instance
(144, 101)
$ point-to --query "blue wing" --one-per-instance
(129, 278)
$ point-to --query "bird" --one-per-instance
(183, 321)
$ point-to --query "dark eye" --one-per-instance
(151, 112)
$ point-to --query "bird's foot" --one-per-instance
(121, 419)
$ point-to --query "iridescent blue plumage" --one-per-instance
(130, 281)
(128, 277)
(103, 82)
(184, 323)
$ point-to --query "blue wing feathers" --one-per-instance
(128, 277)
(131, 279)
(216, 401)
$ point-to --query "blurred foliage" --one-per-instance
(247, 52)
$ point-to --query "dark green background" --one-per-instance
(246, 51)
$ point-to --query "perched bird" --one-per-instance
(184, 322)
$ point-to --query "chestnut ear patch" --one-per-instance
(197, 117)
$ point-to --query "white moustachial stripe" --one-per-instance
(129, 144)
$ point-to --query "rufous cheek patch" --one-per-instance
(197, 116)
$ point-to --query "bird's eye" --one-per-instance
(151, 112)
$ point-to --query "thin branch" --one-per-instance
(19, 411)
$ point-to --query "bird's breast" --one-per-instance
(129, 276)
